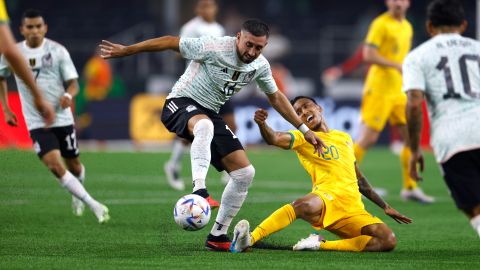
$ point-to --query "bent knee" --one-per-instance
(389, 242)
(305, 210)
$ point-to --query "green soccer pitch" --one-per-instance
(38, 229)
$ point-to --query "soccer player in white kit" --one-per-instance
(203, 24)
(446, 71)
(51, 66)
(220, 67)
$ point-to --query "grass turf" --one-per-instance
(39, 231)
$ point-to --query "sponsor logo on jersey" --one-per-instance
(32, 62)
(249, 76)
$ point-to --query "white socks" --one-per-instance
(81, 177)
(475, 222)
(71, 183)
(232, 198)
(177, 153)
(200, 152)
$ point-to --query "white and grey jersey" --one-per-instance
(447, 69)
(51, 66)
(198, 27)
(216, 73)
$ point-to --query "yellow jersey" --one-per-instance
(3, 12)
(334, 170)
(393, 39)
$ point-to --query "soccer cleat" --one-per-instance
(416, 194)
(213, 203)
(102, 215)
(312, 242)
(218, 243)
(241, 237)
(78, 206)
(173, 176)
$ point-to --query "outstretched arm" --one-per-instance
(367, 191)
(281, 104)
(280, 139)
(415, 123)
(112, 50)
(372, 56)
(10, 117)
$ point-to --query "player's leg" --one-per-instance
(174, 165)
(382, 237)
(227, 113)
(76, 167)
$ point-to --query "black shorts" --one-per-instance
(63, 138)
(175, 115)
(462, 175)
(227, 108)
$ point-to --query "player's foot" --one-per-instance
(213, 203)
(416, 194)
(241, 237)
(218, 243)
(312, 242)
(101, 212)
(225, 178)
(78, 206)
(173, 176)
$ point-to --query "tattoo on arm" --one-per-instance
(367, 190)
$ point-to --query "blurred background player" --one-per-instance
(18, 64)
(445, 71)
(204, 24)
(387, 43)
(334, 204)
(221, 66)
(52, 67)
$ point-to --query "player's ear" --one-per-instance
(463, 26)
(46, 28)
(238, 35)
(430, 28)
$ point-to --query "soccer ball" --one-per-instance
(192, 212)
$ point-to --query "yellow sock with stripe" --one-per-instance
(408, 182)
(359, 152)
(352, 244)
(278, 220)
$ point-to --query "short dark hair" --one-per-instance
(445, 13)
(256, 27)
(31, 13)
(295, 99)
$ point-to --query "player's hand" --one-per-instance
(331, 75)
(10, 118)
(396, 215)
(111, 50)
(260, 116)
(416, 158)
(317, 143)
(65, 101)
(45, 110)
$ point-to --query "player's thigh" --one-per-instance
(67, 140)
(352, 226)
(398, 115)
(375, 111)
(378, 230)
(309, 208)
(462, 176)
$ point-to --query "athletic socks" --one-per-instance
(278, 220)
(475, 222)
(408, 182)
(200, 152)
(71, 183)
(352, 244)
(177, 153)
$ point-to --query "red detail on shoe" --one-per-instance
(213, 203)
(218, 246)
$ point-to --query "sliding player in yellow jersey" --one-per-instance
(387, 43)
(334, 204)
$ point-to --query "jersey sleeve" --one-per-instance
(4, 68)
(197, 48)
(67, 68)
(3, 12)
(265, 79)
(375, 34)
(413, 76)
(297, 139)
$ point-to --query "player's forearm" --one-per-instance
(281, 104)
(367, 191)
(371, 56)
(154, 45)
(4, 95)
(414, 123)
(72, 87)
(268, 134)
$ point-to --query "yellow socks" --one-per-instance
(408, 182)
(359, 152)
(352, 244)
(278, 220)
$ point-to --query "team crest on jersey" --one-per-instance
(32, 62)
(191, 108)
(249, 76)
(47, 60)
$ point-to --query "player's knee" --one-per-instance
(303, 209)
(203, 128)
(242, 178)
(56, 168)
(389, 242)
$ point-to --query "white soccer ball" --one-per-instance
(192, 212)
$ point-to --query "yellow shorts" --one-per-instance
(345, 224)
(376, 109)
